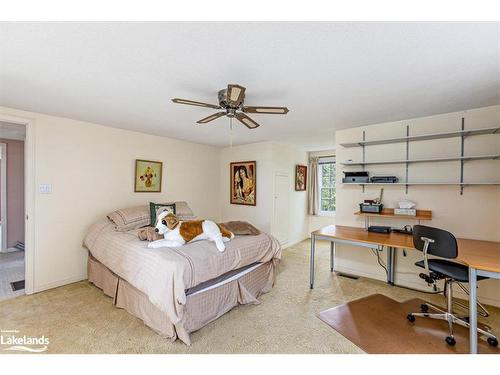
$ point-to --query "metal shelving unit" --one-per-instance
(425, 137)
(432, 160)
(463, 133)
(420, 183)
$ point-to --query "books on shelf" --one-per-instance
(405, 211)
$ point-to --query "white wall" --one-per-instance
(259, 215)
(475, 214)
(285, 158)
(317, 222)
(271, 157)
(91, 169)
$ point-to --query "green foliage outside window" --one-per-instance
(327, 186)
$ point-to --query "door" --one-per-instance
(3, 197)
(281, 207)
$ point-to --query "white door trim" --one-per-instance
(29, 197)
(3, 192)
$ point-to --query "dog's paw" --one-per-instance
(151, 245)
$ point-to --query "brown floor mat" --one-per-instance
(378, 324)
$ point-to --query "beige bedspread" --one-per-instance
(165, 274)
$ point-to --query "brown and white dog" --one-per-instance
(177, 233)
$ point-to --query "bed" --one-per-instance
(176, 291)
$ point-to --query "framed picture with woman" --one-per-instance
(243, 175)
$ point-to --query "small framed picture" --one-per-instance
(300, 178)
(243, 175)
(148, 176)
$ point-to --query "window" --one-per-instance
(327, 191)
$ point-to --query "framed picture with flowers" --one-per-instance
(148, 176)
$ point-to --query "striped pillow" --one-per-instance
(130, 218)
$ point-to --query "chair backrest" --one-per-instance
(444, 245)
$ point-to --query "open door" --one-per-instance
(12, 210)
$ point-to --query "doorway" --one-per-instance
(12, 210)
(281, 214)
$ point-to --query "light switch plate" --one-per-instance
(45, 189)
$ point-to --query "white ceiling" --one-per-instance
(330, 75)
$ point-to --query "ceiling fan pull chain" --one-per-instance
(230, 132)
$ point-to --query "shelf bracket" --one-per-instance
(363, 166)
(407, 156)
(462, 161)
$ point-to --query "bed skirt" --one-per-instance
(201, 307)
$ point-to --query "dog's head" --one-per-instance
(166, 221)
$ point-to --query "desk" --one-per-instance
(482, 258)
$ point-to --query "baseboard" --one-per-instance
(287, 245)
(58, 283)
(9, 250)
(415, 285)
(361, 273)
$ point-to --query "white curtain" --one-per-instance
(313, 193)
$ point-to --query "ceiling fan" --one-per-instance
(231, 103)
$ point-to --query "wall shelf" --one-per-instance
(425, 137)
(420, 183)
(389, 213)
(430, 160)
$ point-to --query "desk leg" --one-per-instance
(390, 265)
(311, 269)
(473, 310)
(393, 264)
(332, 255)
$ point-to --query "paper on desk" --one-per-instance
(407, 204)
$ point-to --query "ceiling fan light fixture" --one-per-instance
(231, 103)
(235, 94)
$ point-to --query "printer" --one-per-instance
(356, 177)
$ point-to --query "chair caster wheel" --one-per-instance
(424, 308)
(410, 317)
(450, 341)
(492, 341)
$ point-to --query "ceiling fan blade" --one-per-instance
(211, 117)
(247, 121)
(270, 110)
(192, 102)
(235, 94)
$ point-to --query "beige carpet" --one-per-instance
(78, 318)
(11, 269)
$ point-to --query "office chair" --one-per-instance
(443, 244)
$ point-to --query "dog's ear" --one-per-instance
(172, 221)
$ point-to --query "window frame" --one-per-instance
(321, 161)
